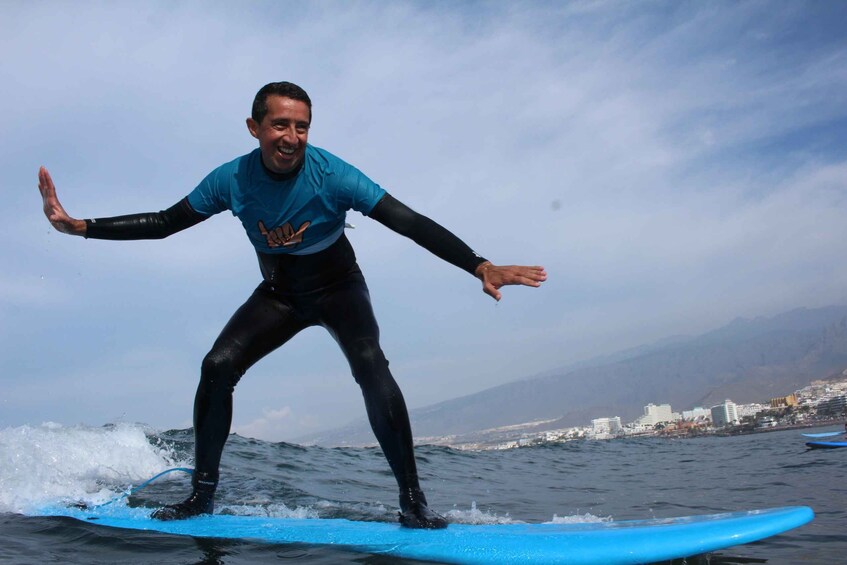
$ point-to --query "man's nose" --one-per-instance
(289, 135)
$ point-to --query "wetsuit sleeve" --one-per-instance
(151, 225)
(436, 239)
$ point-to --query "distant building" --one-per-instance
(783, 401)
(743, 410)
(724, 414)
(656, 414)
(835, 406)
(602, 426)
(698, 413)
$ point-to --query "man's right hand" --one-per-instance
(53, 209)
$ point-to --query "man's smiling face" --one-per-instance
(282, 133)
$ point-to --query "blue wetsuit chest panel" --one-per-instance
(301, 215)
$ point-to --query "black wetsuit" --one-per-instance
(327, 289)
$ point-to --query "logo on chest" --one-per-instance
(284, 235)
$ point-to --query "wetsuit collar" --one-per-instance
(282, 176)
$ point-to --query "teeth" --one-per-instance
(287, 151)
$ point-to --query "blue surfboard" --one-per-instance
(825, 434)
(826, 444)
(594, 543)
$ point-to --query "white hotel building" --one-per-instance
(724, 414)
(606, 426)
(654, 414)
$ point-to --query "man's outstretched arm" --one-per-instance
(151, 225)
(430, 235)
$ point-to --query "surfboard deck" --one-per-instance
(590, 543)
(826, 444)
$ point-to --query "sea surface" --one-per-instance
(576, 481)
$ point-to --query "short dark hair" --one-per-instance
(285, 89)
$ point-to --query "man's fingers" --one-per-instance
(44, 183)
(491, 291)
(529, 280)
(526, 281)
(531, 276)
(45, 179)
(52, 208)
(532, 279)
(278, 236)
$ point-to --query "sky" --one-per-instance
(673, 165)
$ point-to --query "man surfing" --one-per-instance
(292, 199)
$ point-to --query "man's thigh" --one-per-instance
(347, 314)
(260, 325)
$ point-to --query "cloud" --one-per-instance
(268, 424)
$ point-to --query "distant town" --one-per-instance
(820, 403)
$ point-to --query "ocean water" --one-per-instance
(576, 481)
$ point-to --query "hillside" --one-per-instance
(746, 361)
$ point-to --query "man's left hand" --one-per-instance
(494, 277)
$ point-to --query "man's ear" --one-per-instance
(253, 127)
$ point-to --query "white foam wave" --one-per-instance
(271, 510)
(476, 516)
(46, 464)
(579, 519)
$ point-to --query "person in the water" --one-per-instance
(292, 199)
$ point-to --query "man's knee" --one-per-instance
(219, 370)
(367, 361)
